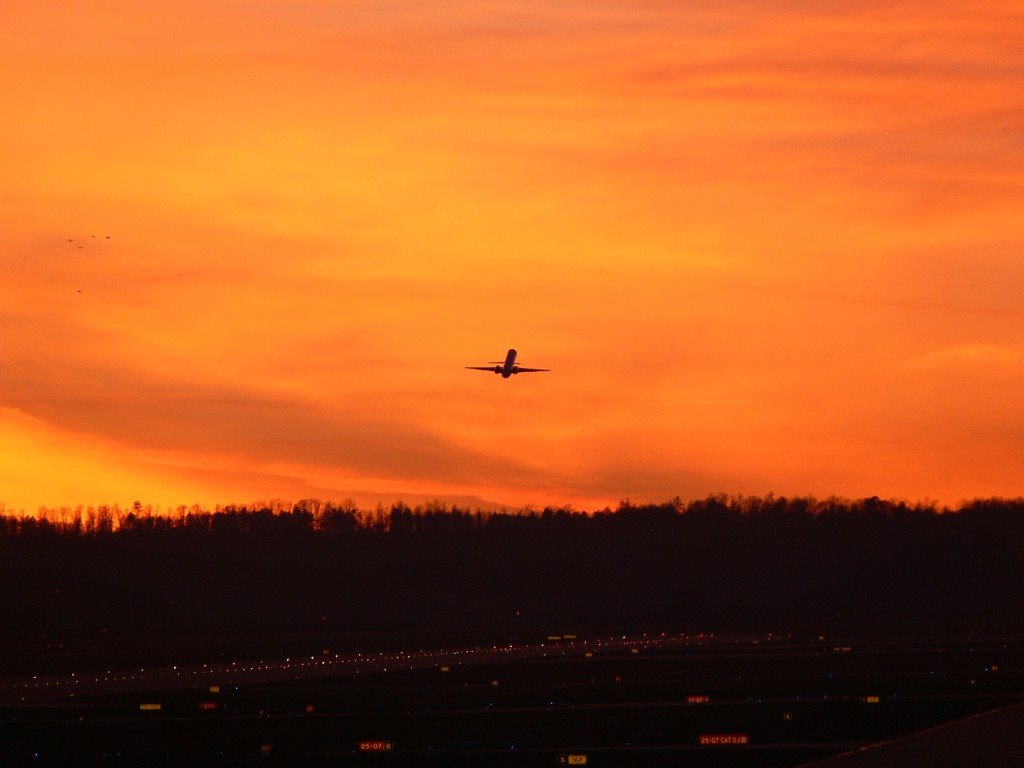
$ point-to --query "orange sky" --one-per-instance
(764, 247)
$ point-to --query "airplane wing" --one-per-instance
(479, 367)
(531, 370)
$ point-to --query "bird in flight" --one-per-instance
(506, 367)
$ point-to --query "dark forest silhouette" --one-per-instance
(715, 564)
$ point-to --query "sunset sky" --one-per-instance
(246, 249)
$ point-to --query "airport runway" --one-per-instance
(39, 689)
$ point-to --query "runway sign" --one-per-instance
(723, 739)
(376, 746)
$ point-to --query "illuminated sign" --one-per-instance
(310, 708)
(698, 699)
(444, 669)
(588, 655)
(723, 739)
(149, 707)
(207, 704)
(570, 637)
(214, 689)
(843, 648)
(572, 759)
(554, 637)
(634, 650)
(376, 746)
(871, 699)
(494, 682)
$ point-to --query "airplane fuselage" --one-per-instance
(507, 368)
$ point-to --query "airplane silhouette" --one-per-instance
(506, 367)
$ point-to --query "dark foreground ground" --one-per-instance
(653, 701)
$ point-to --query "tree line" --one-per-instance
(722, 563)
(320, 516)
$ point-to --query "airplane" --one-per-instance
(506, 367)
